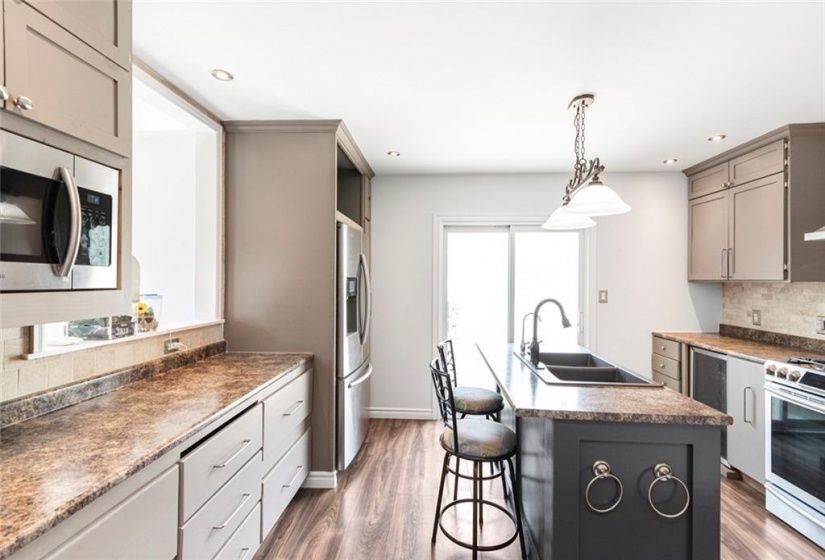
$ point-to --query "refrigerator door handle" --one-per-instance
(368, 311)
(361, 379)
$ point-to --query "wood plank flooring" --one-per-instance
(384, 505)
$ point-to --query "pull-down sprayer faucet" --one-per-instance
(534, 344)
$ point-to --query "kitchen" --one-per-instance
(444, 136)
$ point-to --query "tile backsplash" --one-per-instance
(20, 377)
(784, 308)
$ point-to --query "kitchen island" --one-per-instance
(611, 471)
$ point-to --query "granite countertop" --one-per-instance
(53, 465)
(530, 396)
(752, 350)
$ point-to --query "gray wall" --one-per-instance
(640, 257)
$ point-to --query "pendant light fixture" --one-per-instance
(585, 195)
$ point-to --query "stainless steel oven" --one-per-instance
(795, 447)
(58, 219)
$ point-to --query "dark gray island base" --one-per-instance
(569, 436)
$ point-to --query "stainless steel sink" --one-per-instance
(585, 369)
(574, 359)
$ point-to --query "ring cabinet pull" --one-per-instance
(601, 470)
(664, 473)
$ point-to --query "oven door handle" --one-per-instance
(796, 508)
(816, 406)
(64, 269)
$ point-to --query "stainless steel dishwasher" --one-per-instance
(708, 384)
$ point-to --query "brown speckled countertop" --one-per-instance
(104, 440)
(530, 396)
(752, 350)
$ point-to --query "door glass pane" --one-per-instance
(547, 266)
(477, 287)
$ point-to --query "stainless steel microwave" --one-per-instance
(58, 219)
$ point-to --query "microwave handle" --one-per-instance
(64, 269)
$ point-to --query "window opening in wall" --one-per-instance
(176, 240)
(494, 275)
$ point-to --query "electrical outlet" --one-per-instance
(169, 345)
(756, 317)
(820, 325)
(602, 296)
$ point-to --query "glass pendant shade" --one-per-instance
(561, 220)
(596, 200)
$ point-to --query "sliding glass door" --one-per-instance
(494, 275)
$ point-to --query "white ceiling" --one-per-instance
(484, 87)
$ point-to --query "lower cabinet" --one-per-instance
(216, 495)
(142, 526)
(640, 491)
(746, 405)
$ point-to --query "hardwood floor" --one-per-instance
(385, 502)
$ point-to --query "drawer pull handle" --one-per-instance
(294, 478)
(664, 347)
(601, 470)
(244, 553)
(234, 513)
(664, 473)
(295, 407)
(662, 366)
(246, 443)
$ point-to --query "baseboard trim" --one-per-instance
(401, 413)
(321, 479)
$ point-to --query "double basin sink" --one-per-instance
(582, 368)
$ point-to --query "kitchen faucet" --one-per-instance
(523, 345)
(534, 344)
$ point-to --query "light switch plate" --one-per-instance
(756, 317)
(602, 296)
(820, 325)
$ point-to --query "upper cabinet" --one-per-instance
(58, 71)
(104, 25)
(750, 207)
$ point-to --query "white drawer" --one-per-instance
(143, 525)
(246, 540)
(283, 481)
(283, 412)
(665, 366)
(210, 465)
(210, 528)
(667, 348)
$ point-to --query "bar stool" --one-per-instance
(479, 441)
(475, 401)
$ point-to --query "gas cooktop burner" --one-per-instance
(817, 364)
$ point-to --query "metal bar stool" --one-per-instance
(475, 401)
(480, 441)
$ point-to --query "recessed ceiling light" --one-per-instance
(670, 161)
(393, 153)
(717, 138)
(222, 75)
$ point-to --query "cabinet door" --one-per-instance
(142, 526)
(72, 87)
(757, 230)
(759, 163)
(708, 181)
(106, 25)
(367, 198)
(746, 405)
(708, 237)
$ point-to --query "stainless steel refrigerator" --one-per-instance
(352, 343)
